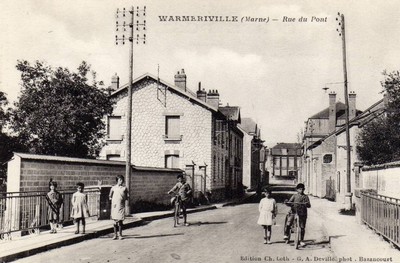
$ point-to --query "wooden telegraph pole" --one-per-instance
(123, 22)
(342, 33)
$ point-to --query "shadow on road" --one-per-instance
(207, 223)
(345, 212)
(162, 235)
(279, 197)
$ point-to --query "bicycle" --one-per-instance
(295, 227)
(177, 209)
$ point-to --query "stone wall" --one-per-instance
(385, 179)
(27, 172)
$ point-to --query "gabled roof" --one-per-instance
(249, 126)
(324, 114)
(286, 149)
(188, 94)
(363, 118)
(340, 112)
(231, 112)
(284, 145)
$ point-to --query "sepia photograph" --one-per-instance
(199, 131)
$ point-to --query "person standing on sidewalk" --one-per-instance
(299, 203)
(54, 200)
(80, 208)
(118, 196)
(268, 210)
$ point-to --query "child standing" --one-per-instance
(80, 208)
(268, 210)
(118, 196)
(54, 199)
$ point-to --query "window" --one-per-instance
(327, 158)
(114, 157)
(114, 128)
(172, 127)
(171, 161)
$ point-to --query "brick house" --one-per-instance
(252, 145)
(174, 127)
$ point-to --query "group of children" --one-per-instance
(80, 209)
(268, 209)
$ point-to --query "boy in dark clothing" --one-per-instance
(298, 202)
(184, 191)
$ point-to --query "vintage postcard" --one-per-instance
(219, 88)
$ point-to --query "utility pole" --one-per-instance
(121, 27)
(342, 33)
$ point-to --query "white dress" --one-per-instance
(118, 196)
(267, 209)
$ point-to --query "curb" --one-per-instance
(92, 235)
(66, 242)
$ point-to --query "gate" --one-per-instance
(330, 190)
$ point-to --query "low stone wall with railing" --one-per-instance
(24, 207)
(27, 212)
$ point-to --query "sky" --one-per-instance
(274, 70)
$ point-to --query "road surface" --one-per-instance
(227, 234)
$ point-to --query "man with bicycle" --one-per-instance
(184, 191)
(299, 203)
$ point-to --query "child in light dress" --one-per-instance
(118, 196)
(80, 208)
(268, 210)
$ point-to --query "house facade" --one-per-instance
(324, 153)
(174, 127)
(252, 146)
(284, 163)
(355, 125)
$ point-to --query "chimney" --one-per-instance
(114, 82)
(180, 80)
(201, 94)
(213, 98)
(352, 105)
(332, 112)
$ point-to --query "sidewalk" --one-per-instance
(28, 245)
(349, 239)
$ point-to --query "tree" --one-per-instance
(8, 144)
(58, 111)
(379, 140)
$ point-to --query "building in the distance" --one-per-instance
(284, 163)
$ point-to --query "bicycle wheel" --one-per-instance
(284, 231)
(176, 213)
(297, 232)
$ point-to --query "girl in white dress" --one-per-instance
(118, 196)
(268, 210)
(80, 208)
